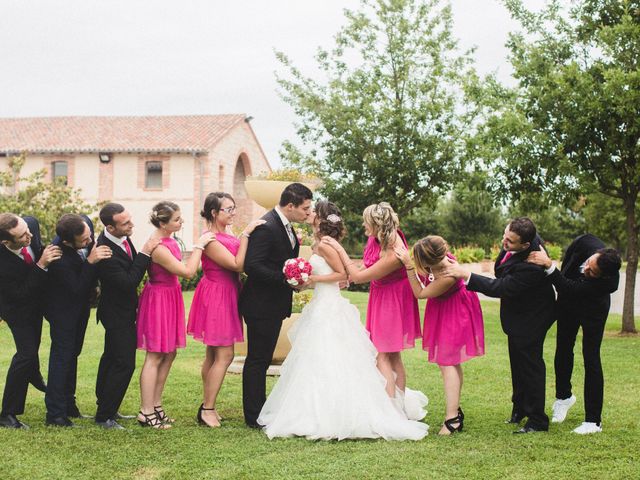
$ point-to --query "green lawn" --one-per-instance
(486, 449)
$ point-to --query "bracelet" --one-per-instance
(198, 247)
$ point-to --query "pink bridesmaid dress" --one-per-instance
(160, 323)
(214, 318)
(393, 319)
(453, 326)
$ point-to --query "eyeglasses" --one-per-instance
(228, 209)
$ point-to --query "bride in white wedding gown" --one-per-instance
(330, 387)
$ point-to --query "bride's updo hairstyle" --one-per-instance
(162, 213)
(330, 220)
(383, 221)
(213, 202)
(428, 252)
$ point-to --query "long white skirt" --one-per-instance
(329, 386)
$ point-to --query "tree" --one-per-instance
(47, 201)
(570, 126)
(470, 216)
(555, 223)
(386, 122)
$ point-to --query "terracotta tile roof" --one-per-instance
(163, 134)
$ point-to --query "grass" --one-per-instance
(486, 450)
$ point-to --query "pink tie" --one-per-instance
(28, 259)
(506, 257)
(128, 248)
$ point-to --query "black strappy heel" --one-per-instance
(152, 420)
(449, 423)
(162, 414)
(201, 420)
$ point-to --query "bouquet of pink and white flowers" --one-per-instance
(296, 271)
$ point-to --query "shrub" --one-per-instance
(286, 175)
(469, 254)
(300, 299)
(554, 251)
(190, 284)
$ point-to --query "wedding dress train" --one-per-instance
(329, 386)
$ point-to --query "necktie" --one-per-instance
(292, 237)
(28, 259)
(506, 257)
(82, 254)
(127, 248)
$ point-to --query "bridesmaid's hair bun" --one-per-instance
(213, 202)
(383, 221)
(429, 251)
(162, 213)
(329, 220)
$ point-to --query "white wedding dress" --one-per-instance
(329, 386)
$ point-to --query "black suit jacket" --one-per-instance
(119, 279)
(21, 285)
(265, 293)
(589, 296)
(526, 295)
(70, 285)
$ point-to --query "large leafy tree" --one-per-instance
(384, 120)
(571, 125)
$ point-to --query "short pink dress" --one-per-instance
(214, 318)
(453, 326)
(393, 319)
(160, 323)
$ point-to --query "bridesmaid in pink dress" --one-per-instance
(453, 325)
(160, 322)
(393, 320)
(214, 318)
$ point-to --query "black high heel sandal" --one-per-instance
(461, 414)
(449, 423)
(201, 420)
(162, 414)
(152, 420)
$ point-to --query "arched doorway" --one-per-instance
(244, 204)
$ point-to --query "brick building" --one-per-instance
(138, 161)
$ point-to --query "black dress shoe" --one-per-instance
(110, 424)
(11, 421)
(516, 418)
(119, 416)
(39, 384)
(58, 422)
(253, 425)
(527, 430)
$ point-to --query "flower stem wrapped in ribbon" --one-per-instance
(296, 271)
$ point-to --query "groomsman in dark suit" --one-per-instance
(22, 281)
(265, 300)
(119, 277)
(589, 275)
(526, 313)
(72, 281)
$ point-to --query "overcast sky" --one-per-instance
(170, 57)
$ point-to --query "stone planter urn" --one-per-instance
(266, 193)
(282, 347)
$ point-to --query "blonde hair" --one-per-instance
(383, 221)
(429, 251)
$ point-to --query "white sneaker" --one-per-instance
(561, 408)
(588, 427)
